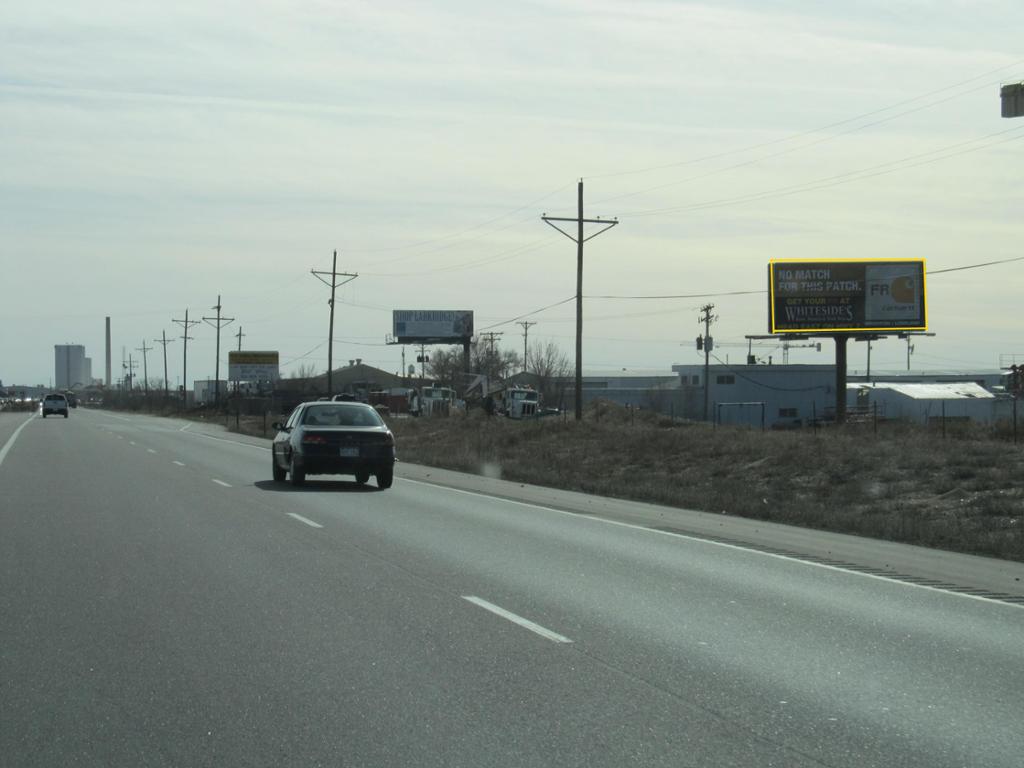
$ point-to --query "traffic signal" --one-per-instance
(700, 343)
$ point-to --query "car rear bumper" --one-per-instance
(335, 465)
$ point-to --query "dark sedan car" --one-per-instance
(334, 438)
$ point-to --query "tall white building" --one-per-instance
(69, 366)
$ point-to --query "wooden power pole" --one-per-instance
(579, 239)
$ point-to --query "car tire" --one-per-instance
(362, 477)
(385, 478)
(279, 474)
(65, 414)
(44, 414)
(295, 475)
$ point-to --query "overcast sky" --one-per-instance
(155, 155)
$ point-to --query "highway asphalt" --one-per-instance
(164, 603)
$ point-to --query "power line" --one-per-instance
(819, 129)
(527, 314)
(838, 179)
(974, 266)
(679, 295)
(494, 259)
(781, 153)
(473, 228)
(304, 355)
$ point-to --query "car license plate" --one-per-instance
(351, 452)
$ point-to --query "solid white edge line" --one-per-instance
(220, 482)
(305, 520)
(517, 619)
(702, 540)
(10, 441)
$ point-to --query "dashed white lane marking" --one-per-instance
(114, 416)
(220, 482)
(179, 463)
(12, 438)
(185, 427)
(305, 520)
(700, 540)
(150, 450)
(226, 440)
(517, 619)
(131, 442)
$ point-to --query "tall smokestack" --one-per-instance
(108, 351)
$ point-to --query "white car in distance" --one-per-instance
(55, 403)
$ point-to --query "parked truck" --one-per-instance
(521, 402)
(432, 401)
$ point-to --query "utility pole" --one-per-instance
(423, 362)
(145, 368)
(217, 322)
(164, 341)
(185, 324)
(579, 239)
(130, 366)
(526, 332)
(333, 284)
(491, 337)
(707, 344)
(239, 336)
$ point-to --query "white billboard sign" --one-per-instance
(412, 326)
(253, 366)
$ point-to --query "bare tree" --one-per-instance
(445, 368)
(496, 364)
(553, 370)
(304, 376)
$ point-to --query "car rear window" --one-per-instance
(341, 415)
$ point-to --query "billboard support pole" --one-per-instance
(841, 340)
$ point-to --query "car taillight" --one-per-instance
(314, 440)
